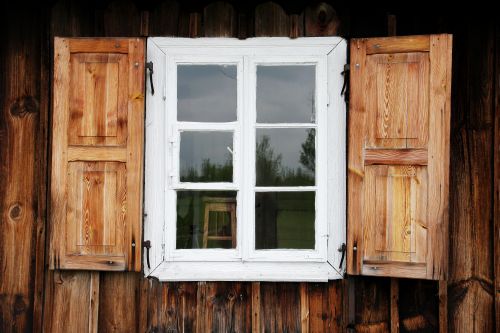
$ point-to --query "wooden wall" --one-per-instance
(32, 298)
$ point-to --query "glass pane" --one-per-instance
(206, 157)
(284, 220)
(285, 94)
(206, 93)
(285, 157)
(206, 219)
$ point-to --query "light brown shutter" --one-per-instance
(399, 124)
(97, 154)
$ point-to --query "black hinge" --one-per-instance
(147, 245)
(345, 86)
(342, 249)
(149, 65)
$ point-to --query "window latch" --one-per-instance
(147, 245)
(149, 66)
(342, 249)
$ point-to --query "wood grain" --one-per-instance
(220, 20)
(401, 44)
(321, 20)
(271, 20)
(96, 202)
(474, 195)
(23, 128)
(398, 157)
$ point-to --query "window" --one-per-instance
(245, 159)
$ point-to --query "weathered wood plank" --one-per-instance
(304, 308)
(318, 304)
(22, 134)
(280, 307)
(256, 307)
(394, 305)
(321, 20)
(67, 302)
(94, 302)
(158, 25)
(271, 20)
(220, 20)
(396, 156)
(119, 300)
(496, 184)
(372, 305)
(470, 288)
(406, 44)
(121, 19)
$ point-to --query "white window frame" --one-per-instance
(244, 263)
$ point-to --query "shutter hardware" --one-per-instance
(149, 65)
(345, 74)
(342, 249)
(147, 245)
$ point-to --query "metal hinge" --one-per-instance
(345, 87)
(342, 248)
(147, 245)
(149, 66)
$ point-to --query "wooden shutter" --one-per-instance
(399, 124)
(97, 154)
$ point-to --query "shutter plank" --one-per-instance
(97, 149)
(399, 156)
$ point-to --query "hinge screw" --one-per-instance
(133, 244)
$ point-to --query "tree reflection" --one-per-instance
(270, 170)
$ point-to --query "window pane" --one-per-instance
(206, 93)
(285, 157)
(206, 157)
(284, 220)
(206, 219)
(285, 94)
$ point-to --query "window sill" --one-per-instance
(245, 271)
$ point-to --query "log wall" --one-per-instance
(32, 298)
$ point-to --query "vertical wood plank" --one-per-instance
(121, 19)
(304, 307)
(443, 306)
(271, 20)
(119, 299)
(67, 302)
(470, 282)
(321, 20)
(94, 302)
(220, 20)
(356, 160)
(318, 300)
(22, 136)
(256, 307)
(158, 25)
(496, 181)
(394, 304)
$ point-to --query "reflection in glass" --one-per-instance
(285, 157)
(206, 93)
(284, 220)
(285, 94)
(206, 219)
(206, 156)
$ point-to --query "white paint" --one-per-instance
(245, 263)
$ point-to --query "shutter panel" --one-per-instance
(399, 124)
(97, 154)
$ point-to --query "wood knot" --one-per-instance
(15, 211)
(24, 105)
(19, 305)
